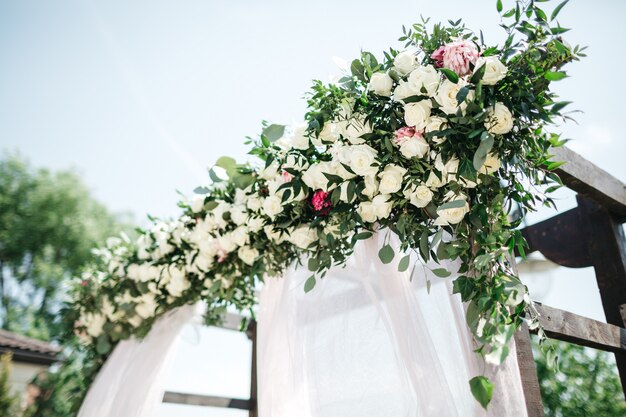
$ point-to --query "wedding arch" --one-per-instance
(419, 166)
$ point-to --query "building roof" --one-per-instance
(27, 349)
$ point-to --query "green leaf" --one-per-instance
(214, 177)
(226, 162)
(554, 75)
(313, 264)
(404, 263)
(462, 94)
(452, 204)
(557, 10)
(309, 284)
(441, 272)
(483, 150)
(363, 235)
(424, 246)
(103, 345)
(450, 75)
(386, 254)
(478, 74)
(482, 390)
(274, 132)
(499, 6)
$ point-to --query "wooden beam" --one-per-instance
(252, 335)
(528, 372)
(570, 327)
(205, 400)
(560, 239)
(588, 179)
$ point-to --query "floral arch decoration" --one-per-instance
(443, 143)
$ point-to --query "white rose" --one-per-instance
(295, 162)
(499, 119)
(255, 224)
(452, 215)
(404, 62)
(434, 181)
(382, 206)
(94, 324)
(415, 146)
(272, 206)
(240, 235)
(247, 254)
(225, 243)
(300, 137)
(424, 77)
(343, 196)
(270, 172)
(367, 212)
(403, 90)
(435, 124)
(314, 177)
(491, 164)
(418, 195)
(380, 84)
(417, 114)
(371, 186)
(446, 96)
(178, 281)
(329, 133)
(147, 306)
(254, 203)
(239, 215)
(361, 159)
(203, 261)
(303, 236)
(391, 179)
(494, 69)
(451, 168)
(275, 235)
(356, 127)
(197, 202)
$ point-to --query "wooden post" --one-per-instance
(528, 372)
(251, 332)
(607, 250)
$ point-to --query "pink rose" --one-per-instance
(457, 56)
(438, 56)
(321, 203)
(287, 177)
(404, 133)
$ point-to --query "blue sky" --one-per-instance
(140, 97)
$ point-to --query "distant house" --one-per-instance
(30, 357)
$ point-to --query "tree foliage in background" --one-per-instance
(49, 224)
(587, 383)
(9, 402)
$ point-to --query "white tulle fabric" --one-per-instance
(131, 382)
(369, 341)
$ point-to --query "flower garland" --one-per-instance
(443, 144)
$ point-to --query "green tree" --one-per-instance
(586, 384)
(9, 402)
(49, 224)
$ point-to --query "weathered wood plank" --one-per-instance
(560, 239)
(252, 335)
(528, 372)
(587, 178)
(570, 327)
(205, 400)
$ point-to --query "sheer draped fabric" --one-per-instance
(370, 341)
(131, 382)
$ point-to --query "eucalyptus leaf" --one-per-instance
(309, 284)
(482, 390)
(452, 204)
(274, 132)
(481, 153)
(441, 272)
(386, 254)
(403, 265)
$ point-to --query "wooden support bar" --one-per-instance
(205, 400)
(588, 179)
(607, 249)
(528, 372)
(570, 327)
(251, 332)
(560, 239)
